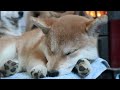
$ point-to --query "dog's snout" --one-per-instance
(20, 14)
(52, 73)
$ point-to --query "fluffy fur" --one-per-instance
(55, 47)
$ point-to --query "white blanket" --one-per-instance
(99, 66)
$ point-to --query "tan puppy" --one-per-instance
(52, 50)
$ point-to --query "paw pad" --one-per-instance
(10, 67)
(37, 74)
(83, 68)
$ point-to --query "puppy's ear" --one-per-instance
(93, 26)
(44, 24)
(40, 24)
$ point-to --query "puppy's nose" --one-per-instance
(52, 73)
(20, 14)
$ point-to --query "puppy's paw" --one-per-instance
(38, 72)
(82, 68)
(10, 68)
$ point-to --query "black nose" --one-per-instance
(20, 14)
(52, 73)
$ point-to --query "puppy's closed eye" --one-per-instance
(69, 53)
(66, 54)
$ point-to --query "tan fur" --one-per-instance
(46, 52)
(73, 29)
(57, 14)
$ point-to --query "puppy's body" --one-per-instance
(20, 49)
(55, 48)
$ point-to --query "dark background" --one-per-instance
(114, 38)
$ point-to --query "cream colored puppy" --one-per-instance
(53, 49)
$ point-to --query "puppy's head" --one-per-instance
(68, 39)
(14, 21)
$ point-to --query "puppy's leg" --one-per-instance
(82, 68)
(36, 68)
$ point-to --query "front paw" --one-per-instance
(38, 72)
(10, 68)
(82, 68)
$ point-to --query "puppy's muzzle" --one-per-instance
(52, 73)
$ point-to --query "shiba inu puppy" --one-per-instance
(53, 49)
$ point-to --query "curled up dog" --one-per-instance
(53, 49)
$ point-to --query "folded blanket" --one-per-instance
(99, 66)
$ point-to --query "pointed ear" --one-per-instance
(44, 24)
(93, 26)
(40, 24)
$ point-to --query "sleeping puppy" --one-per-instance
(14, 23)
(53, 49)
